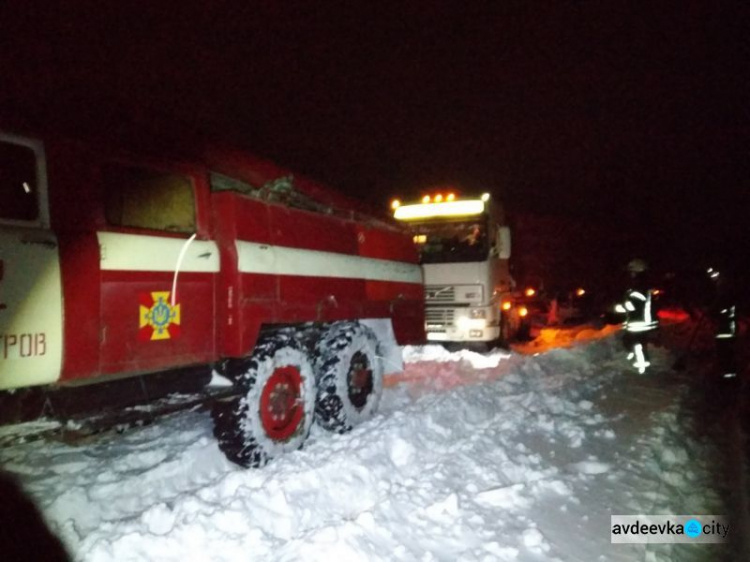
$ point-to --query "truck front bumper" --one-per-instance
(464, 329)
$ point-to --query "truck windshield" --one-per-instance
(452, 241)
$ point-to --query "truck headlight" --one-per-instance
(478, 313)
(465, 323)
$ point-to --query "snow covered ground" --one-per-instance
(518, 456)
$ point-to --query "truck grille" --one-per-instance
(438, 318)
(440, 293)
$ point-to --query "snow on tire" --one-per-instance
(275, 414)
(349, 374)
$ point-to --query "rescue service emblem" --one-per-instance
(159, 319)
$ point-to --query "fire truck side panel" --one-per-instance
(76, 214)
(154, 290)
(298, 266)
(145, 330)
(315, 256)
(403, 301)
(385, 244)
(320, 298)
(223, 213)
(79, 252)
(242, 218)
(244, 302)
(296, 228)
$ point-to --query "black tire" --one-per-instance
(270, 418)
(349, 374)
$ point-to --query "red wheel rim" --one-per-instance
(281, 407)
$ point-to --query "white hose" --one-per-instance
(183, 250)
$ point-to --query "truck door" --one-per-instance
(158, 270)
(30, 294)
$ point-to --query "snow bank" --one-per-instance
(497, 456)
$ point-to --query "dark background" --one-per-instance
(626, 117)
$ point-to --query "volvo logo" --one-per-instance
(433, 294)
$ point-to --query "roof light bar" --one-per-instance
(446, 209)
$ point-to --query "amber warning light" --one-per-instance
(439, 208)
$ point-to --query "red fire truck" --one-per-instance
(117, 267)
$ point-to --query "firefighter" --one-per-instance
(724, 313)
(640, 317)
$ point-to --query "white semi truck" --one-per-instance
(464, 246)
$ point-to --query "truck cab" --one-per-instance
(464, 248)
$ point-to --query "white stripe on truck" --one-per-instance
(138, 252)
(283, 260)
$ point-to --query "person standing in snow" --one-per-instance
(724, 313)
(640, 317)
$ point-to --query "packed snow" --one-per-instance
(516, 455)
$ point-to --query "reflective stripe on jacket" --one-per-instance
(727, 323)
(640, 317)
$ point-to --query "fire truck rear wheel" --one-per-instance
(349, 374)
(277, 409)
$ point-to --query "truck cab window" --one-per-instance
(143, 198)
(18, 183)
(452, 241)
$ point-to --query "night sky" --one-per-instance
(633, 115)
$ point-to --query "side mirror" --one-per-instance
(502, 243)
